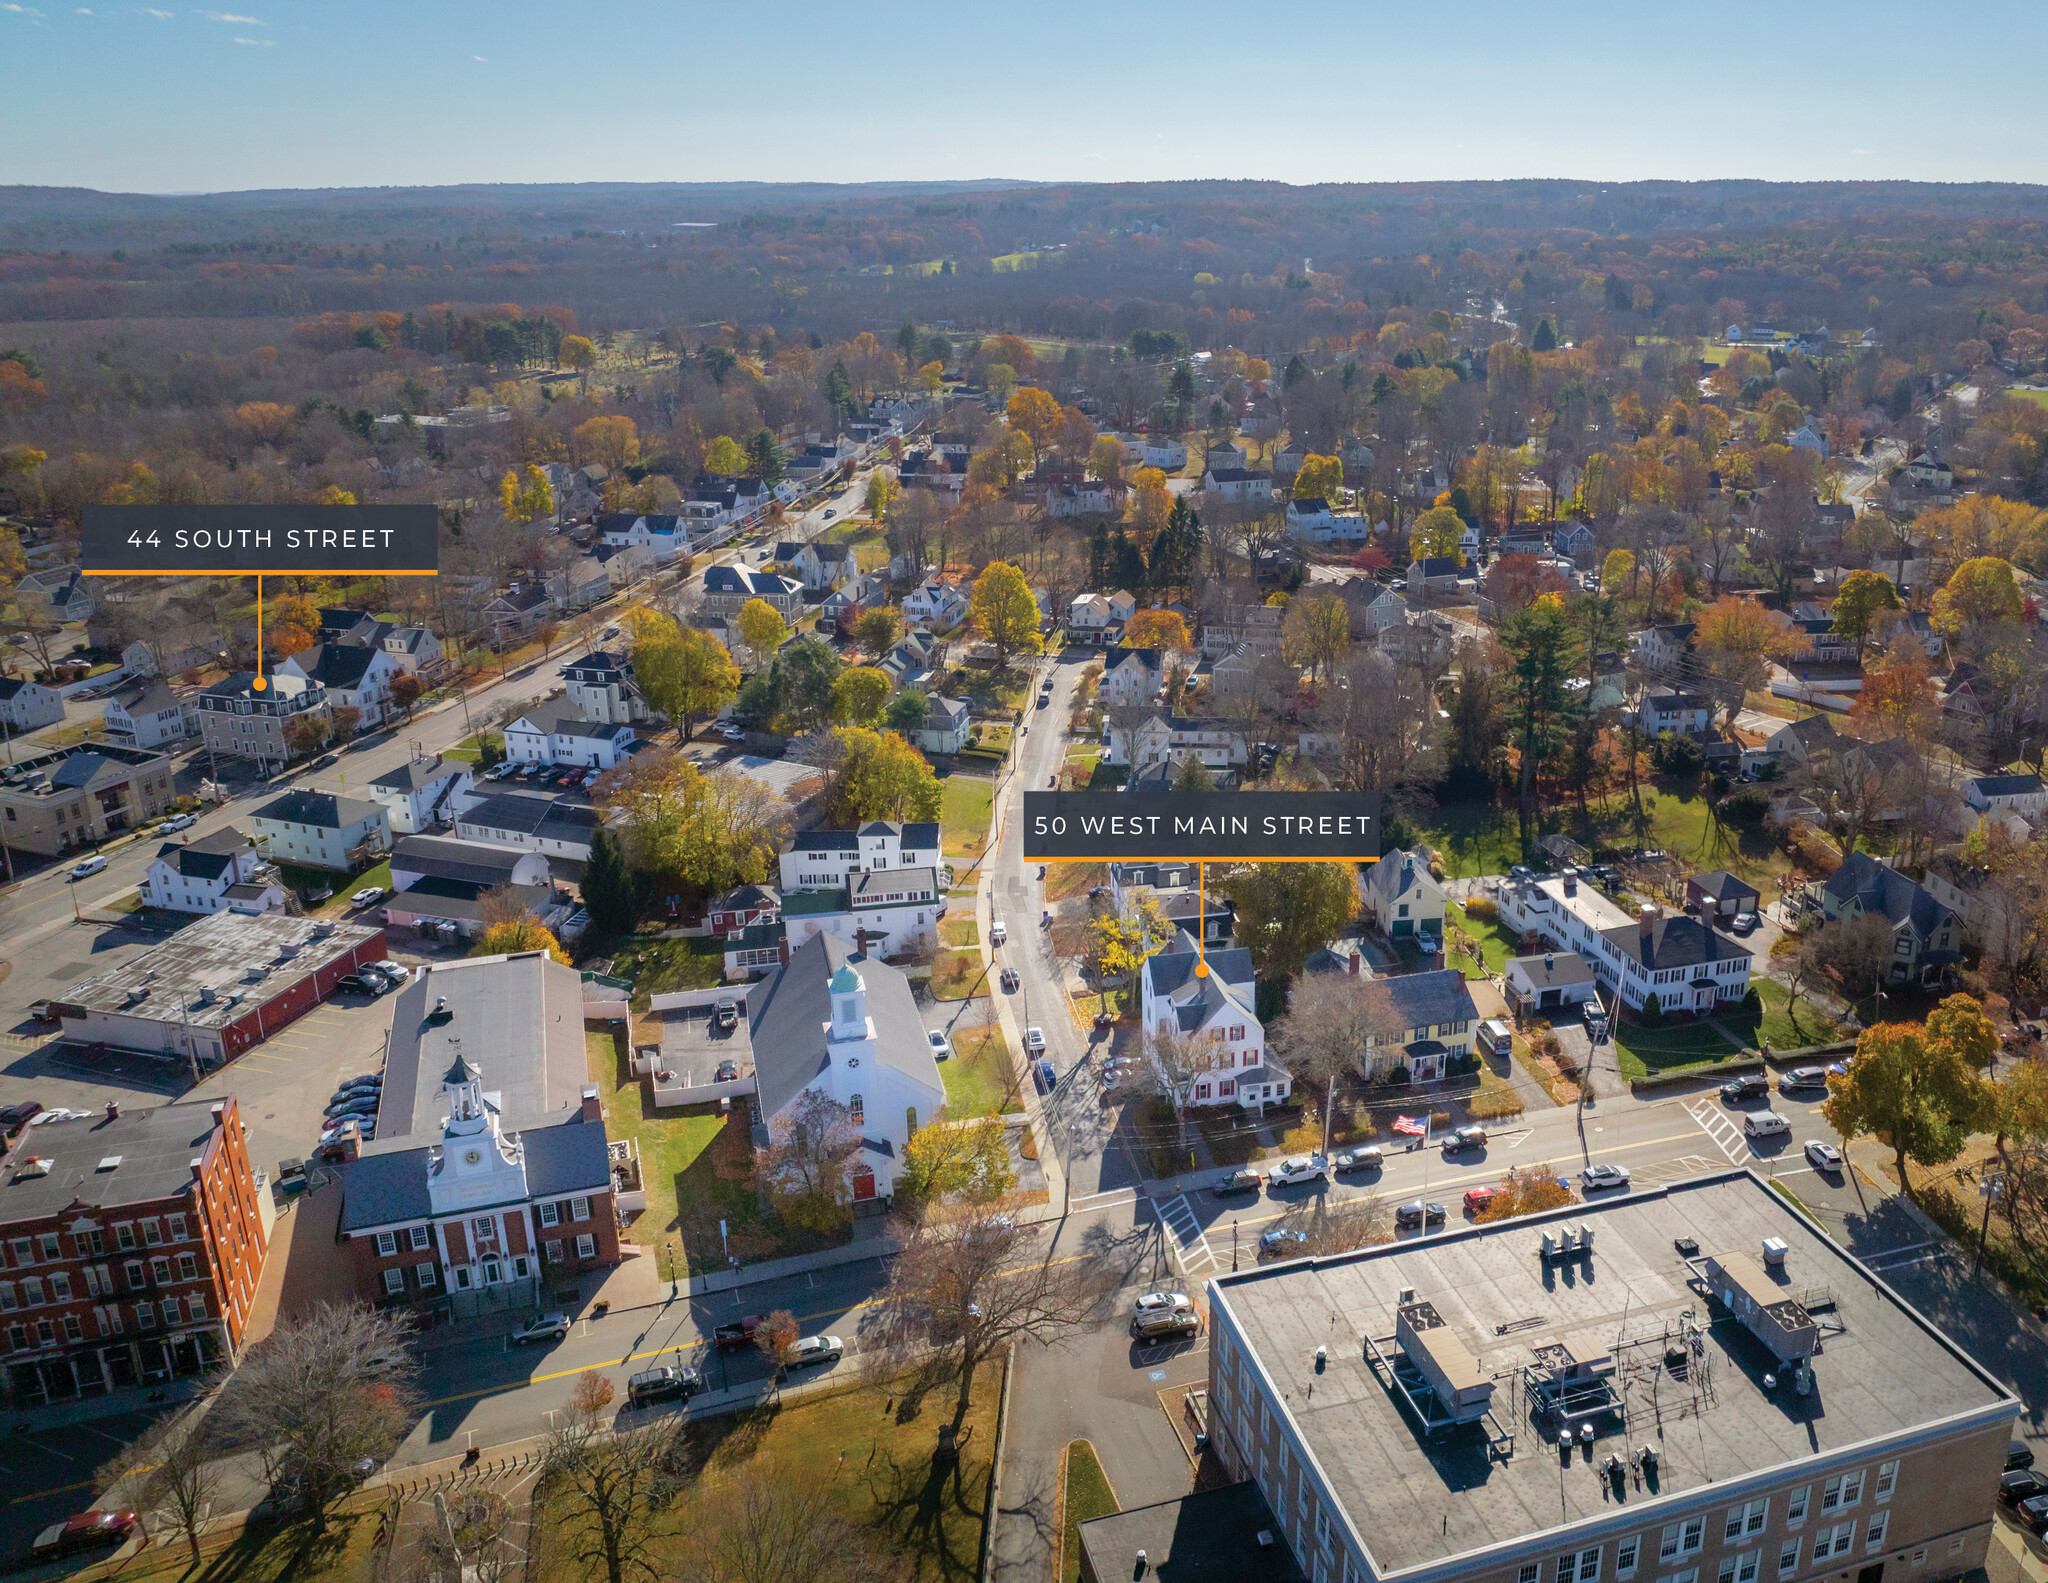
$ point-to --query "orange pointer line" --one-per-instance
(260, 684)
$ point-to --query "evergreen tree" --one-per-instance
(839, 392)
(1297, 370)
(764, 456)
(1098, 555)
(1545, 338)
(607, 887)
(1127, 562)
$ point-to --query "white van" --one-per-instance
(92, 865)
(1765, 1124)
(1496, 1038)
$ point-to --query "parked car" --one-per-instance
(666, 1384)
(355, 1102)
(1745, 923)
(997, 933)
(1417, 1213)
(1467, 1137)
(728, 1072)
(2021, 1484)
(92, 865)
(1045, 1076)
(732, 734)
(17, 1116)
(1276, 1244)
(816, 1349)
(1009, 980)
(100, 1530)
(1163, 1303)
(2033, 1514)
(1165, 1324)
(1750, 1085)
(1478, 1198)
(1364, 1159)
(736, 1336)
(1596, 1177)
(397, 972)
(1034, 1040)
(173, 825)
(367, 895)
(1299, 1168)
(1765, 1124)
(363, 983)
(42, 1012)
(2018, 1454)
(726, 1014)
(547, 1327)
(1242, 1180)
(1803, 1077)
(1823, 1156)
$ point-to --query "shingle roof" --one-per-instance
(322, 810)
(84, 770)
(565, 722)
(146, 697)
(549, 817)
(1229, 981)
(2006, 785)
(1724, 886)
(1418, 1000)
(787, 1014)
(206, 858)
(1674, 942)
(1876, 887)
(1438, 566)
(476, 862)
(419, 774)
(1558, 968)
(335, 664)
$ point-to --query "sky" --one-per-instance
(332, 93)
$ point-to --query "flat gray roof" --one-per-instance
(138, 1156)
(692, 1048)
(1420, 1499)
(241, 957)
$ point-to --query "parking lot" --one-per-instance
(283, 1084)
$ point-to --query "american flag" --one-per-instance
(1411, 1126)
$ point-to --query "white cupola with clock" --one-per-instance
(478, 1163)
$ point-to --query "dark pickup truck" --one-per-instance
(738, 1336)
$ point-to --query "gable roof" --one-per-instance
(206, 858)
(562, 722)
(1417, 1000)
(1554, 970)
(1437, 566)
(472, 862)
(145, 698)
(551, 818)
(336, 664)
(1810, 730)
(419, 774)
(322, 810)
(86, 769)
(787, 1013)
(1879, 888)
(2005, 785)
(1674, 942)
(1228, 982)
(1723, 886)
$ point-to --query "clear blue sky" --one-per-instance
(323, 93)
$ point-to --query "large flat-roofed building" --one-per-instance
(1686, 1384)
(51, 803)
(217, 986)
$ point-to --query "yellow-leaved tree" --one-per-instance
(1004, 612)
(1436, 534)
(1036, 415)
(1320, 478)
(762, 629)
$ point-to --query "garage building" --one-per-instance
(217, 987)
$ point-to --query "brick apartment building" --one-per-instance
(1682, 1384)
(490, 1183)
(132, 1246)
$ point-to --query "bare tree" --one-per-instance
(610, 1487)
(1858, 949)
(772, 1527)
(317, 1397)
(1852, 787)
(175, 1471)
(967, 1284)
(1330, 1029)
(803, 1168)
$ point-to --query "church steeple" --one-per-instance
(849, 1004)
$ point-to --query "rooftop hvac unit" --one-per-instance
(1549, 1246)
(1567, 1239)
(1585, 1238)
(1775, 1249)
(138, 995)
(206, 994)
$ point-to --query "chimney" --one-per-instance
(592, 1109)
(1353, 962)
(1647, 920)
(1549, 962)
(220, 1113)
(198, 1170)
(113, 1110)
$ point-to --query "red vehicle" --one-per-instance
(1478, 1199)
(87, 1531)
(738, 1336)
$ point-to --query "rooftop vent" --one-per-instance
(1775, 1249)
(111, 1163)
(34, 1165)
(138, 994)
(206, 994)
(322, 930)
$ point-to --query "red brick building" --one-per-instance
(490, 1184)
(131, 1245)
(218, 986)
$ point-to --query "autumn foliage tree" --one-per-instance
(1898, 699)
(880, 776)
(1915, 1089)
(1158, 629)
(1862, 596)
(612, 441)
(1436, 533)
(1036, 415)
(1004, 612)
(1979, 593)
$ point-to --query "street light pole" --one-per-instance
(1989, 1190)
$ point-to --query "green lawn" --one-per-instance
(961, 933)
(1088, 1496)
(959, 975)
(657, 966)
(1477, 838)
(698, 1169)
(981, 1079)
(966, 809)
(1495, 943)
(1668, 1049)
(1787, 1030)
(867, 1450)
